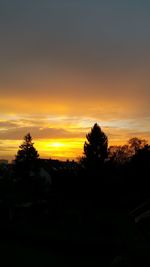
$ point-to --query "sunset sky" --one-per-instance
(66, 64)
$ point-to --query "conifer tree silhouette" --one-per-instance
(27, 153)
(95, 148)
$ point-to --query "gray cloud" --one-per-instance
(8, 124)
(37, 133)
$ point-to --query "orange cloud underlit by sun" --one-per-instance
(73, 107)
(25, 105)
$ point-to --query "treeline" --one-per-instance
(115, 176)
(96, 151)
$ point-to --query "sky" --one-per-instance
(66, 64)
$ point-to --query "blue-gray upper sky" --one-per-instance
(97, 36)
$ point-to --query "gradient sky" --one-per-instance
(66, 64)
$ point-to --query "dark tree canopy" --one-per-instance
(119, 154)
(27, 153)
(95, 148)
(135, 144)
(123, 154)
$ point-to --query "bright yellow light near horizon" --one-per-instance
(57, 144)
(62, 148)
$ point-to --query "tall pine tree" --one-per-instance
(95, 148)
(27, 153)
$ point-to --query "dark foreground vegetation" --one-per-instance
(70, 213)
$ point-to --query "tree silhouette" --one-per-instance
(29, 183)
(135, 144)
(27, 153)
(95, 148)
(119, 154)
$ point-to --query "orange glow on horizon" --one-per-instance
(62, 148)
(59, 129)
(55, 148)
